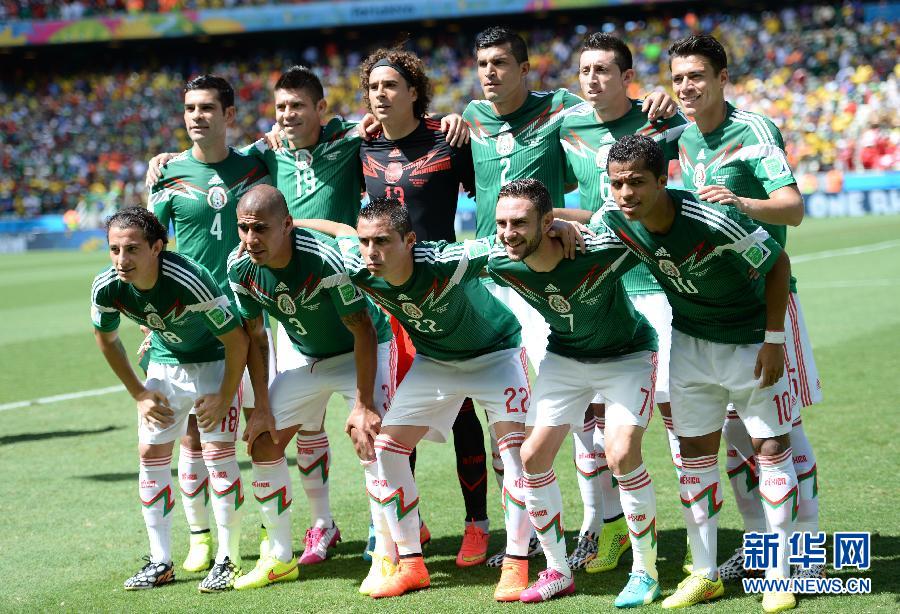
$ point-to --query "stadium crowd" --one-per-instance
(77, 9)
(828, 80)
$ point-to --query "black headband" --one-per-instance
(403, 72)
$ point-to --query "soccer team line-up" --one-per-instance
(648, 298)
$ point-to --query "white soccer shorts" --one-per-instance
(704, 377)
(183, 385)
(299, 395)
(248, 399)
(433, 391)
(535, 329)
(565, 386)
(805, 387)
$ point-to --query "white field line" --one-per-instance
(847, 251)
(62, 397)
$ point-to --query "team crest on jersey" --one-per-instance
(776, 167)
(559, 304)
(217, 197)
(219, 316)
(155, 321)
(286, 304)
(506, 142)
(699, 174)
(393, 172)
(668, 267)
(756, 254)
(602, 155)
(303, 159)
(412, 311)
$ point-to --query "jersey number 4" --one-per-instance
(216, 228)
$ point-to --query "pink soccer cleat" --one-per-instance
(550, 584)
(318, 541)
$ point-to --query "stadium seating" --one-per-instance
(81, 136)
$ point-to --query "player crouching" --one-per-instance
(197, 356)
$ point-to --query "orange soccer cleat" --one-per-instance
(513, 580)
(411, 575)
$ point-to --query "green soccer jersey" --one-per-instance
(186, 310)
(446, 310)
(200, 200)
(324, 182)
(309, 296)
(745, 153)
(524, 143)
(707, 264)
(582, 300)
(586, 142)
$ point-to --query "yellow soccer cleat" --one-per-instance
(694, 589)
(200, 556)
(381, 569)
(778, 602)
(263, 543)
(613, 543)
(268, 571)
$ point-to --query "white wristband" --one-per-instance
(775, 336)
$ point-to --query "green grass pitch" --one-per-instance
(71, 525)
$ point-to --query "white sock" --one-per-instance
(384, 543)
(518, 525)
(701, 497)
(674, 445)
(228, 497)
(155, 491)
(399, 494)
(193, 481)
(639, 503)
(609, 487)
(314, 463)
(588, 481)
(778, 490)
(807, 479)
(543, 500)
(497, 464)
(742, 473)
(272, 488)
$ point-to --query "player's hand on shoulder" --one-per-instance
(455, 130)
(274, 138)
(210, 409)
(153, 406)
(659, 105)
(155, 168)
(368, 127)
(363, 425)
(260, 421)
(721, 195)
(769, 364)
(571, 235)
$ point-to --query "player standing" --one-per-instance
(727, 280)
(598, 344)
(197, 355)
(736, 158)
(341, 343)
(605, 73)
(197, 193)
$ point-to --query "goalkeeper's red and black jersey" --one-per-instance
(423, 172)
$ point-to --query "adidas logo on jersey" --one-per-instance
(149, 308)
(662, 252)
(403, 297)
(551, 288)
(701, 155)
(395, 153)
(281, 287)
(216, 180)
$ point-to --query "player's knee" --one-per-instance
(621, 457)
(533, 458)
(265, 449)
(149, 451)
(772, 446)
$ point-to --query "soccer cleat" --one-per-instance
(513, 580)
(424, 534)
(694, 589)
(534, 549)
(263, 543)
(733, 570)
(411, 575)
(813, 571)
(382, 567)
(221, 577)
(200, 554)
(613, 542)
(585, 551)
(151, 575)
(370, 545)
(268, 571)
(773, 601)
(640, 590)
(318, 541)
(473, 550)
(550, 584)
